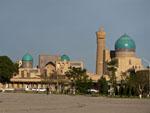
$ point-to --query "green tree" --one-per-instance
(141, 81)
(123, 82)
(103, 86)
(130, 82)
(7, 69)
(137, 82)
(79, 79)
(83, 84)
(75, 73)
(56, 78)
(112, 68)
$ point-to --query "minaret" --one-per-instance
(100, 51)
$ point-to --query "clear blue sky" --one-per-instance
(69, 26)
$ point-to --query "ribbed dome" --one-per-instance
(65, 58)
(27, 57)
(125, 43)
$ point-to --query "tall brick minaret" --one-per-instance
(100, 51)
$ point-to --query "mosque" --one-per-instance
(124, 54)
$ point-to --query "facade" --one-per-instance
(65, 64)
(45, 59)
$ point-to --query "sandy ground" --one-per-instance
(41, 103)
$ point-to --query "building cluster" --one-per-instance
(51, 65)
(45, 74)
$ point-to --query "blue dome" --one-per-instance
(125, 43)
(65, 58)
(27, 57)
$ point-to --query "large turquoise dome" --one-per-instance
(27, 57)
(65, 58)
(125, 42)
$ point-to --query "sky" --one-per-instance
(58, 27)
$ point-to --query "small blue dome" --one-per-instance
(125, 42)
(65, 58)
(27, 57)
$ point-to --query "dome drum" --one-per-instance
(26, 64)
(125, 54)
(125, 50)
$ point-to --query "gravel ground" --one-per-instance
(41, 103)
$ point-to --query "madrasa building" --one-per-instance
(50, 72)
(124, 54)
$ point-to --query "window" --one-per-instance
(130, 63)
(22, 74)
(28, 75)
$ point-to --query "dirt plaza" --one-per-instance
(42, 103)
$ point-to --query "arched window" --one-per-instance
(130, 63)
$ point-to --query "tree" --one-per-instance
(56, 78)
(137, 82)
(130, 82)
(83, 84)
(103, 86)
(75, 73)
(79, 79)
(112, 68)
(141, 81)
(123, 82)
(7, 69)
